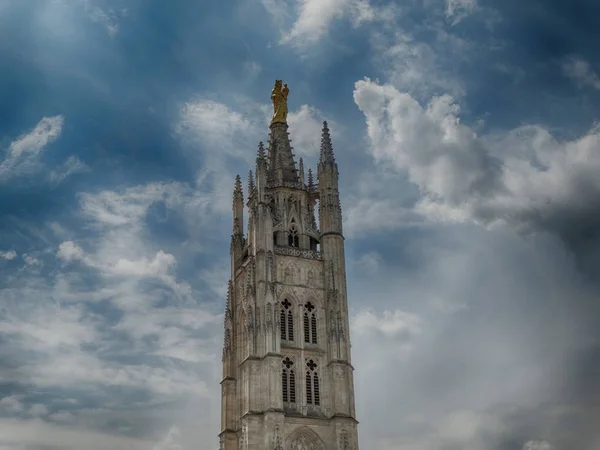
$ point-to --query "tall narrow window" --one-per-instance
(288, 381)
(310, 324)
(284, 385)
(313, 395)
(286, 319)
(292, 387)
(293, 238)
(316, 388)
(306, 328)
(282, 320)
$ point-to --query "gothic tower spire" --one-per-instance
(326, 156)
(287, 376)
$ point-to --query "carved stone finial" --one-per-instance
(237, 190)
(250, 183)
(261, 151)
(301, 170)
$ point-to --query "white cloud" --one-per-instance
(70, 251)
(456, 10)
(212, 121)
(32, 260)
(71, 166)
(581, 72)
(306, 125)
(46, 131)
(392, 324)
(8, 255)
(160, 265)
(314, 17)
(23, 154)
(524, 176)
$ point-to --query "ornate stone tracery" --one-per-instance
(304, 439)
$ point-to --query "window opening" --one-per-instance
(288, 381)
(310, 323)
(293, 238)
(313, 396)
(286, 319)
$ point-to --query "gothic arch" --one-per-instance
(304, 439)
(288, 292)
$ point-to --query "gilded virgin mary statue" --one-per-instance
(279, 98)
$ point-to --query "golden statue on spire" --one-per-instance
(279, 98)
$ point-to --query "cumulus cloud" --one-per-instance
(69, 251)
(211, 121)
(8, 255)
(524, 177)
(307, 124)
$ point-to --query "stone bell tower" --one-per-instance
(287, 376)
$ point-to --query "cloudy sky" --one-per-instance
(469, 153)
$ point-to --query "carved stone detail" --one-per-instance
(258, 324)
(269, 318)
(292, 251)
(344, 443)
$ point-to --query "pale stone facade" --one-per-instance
(287, 377)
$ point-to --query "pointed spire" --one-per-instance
(238, 206)
(326, 147)
(261, 152)
(250, 183)
(311, 180)
(237, 191)
(301, 170)
(229, 299)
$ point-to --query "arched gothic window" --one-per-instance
(286, 321)
(293, 238)
(310, 324)
(288, 381)
(313, 393)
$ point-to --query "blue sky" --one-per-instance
(467, 139)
